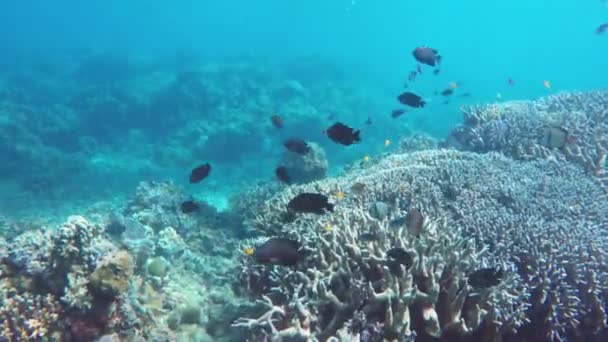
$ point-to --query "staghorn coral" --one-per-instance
(573, 126)
(537, 220)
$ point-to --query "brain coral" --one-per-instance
(540, 221)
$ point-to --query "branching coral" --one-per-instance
(573, 126)
(532, 219)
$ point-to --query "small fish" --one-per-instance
(330, 116)
(358, 188)
(328, 227)
(411, 99)
(547, 84)
(296, 145)
(454, 85)
(397, 113)
(465, 95)
(405, 85)
(278, 251)
(602, 28)
(189, 207)
(485, 277)
(436, 71)
(398, 222)
(412, 76)
(310, 203)
(554, 137)
(248, 251)
(414, 222)
(397, 257)
(339, 195)
(447, 92)
(401, 256)
(282, 175)
(366, 158)
(387, 143)
(368, 121)
(342, 134)
(510, 81)
(199, 173)
(426, 55)
(369, 236)
(277, 121)
(446, 102)
(419, 68)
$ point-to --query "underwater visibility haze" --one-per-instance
(339, 170)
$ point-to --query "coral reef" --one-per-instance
(571, 126)
(537, 220)
(74, 283)
(70, 127)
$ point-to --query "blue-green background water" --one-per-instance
(365, 44)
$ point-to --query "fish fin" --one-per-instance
(356, 135)
(422, 103)
(330, 207)
(438, 58)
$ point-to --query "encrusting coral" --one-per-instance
(533, 220)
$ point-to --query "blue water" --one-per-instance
(483, 45)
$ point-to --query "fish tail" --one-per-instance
(438, 58)
(330, 207)
(422, 103)
(356, 135)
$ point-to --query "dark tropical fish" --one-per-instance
(278, 251)
(330, 116)
(436, 71)
(358, 188)
(447, 92)
(397, 257)
(189, 206)
(310, 203)
(397, 113)
(510, 81)
(485, 277)
(282, 175)
(412, 76)
(277, 121)
(368, 121)
(199, 173)
(411, 99)
(398, 222)
(296, 145)
(343, 134)
(446, 102)
(602, 28)
(405, 85)
(414, 221)
(426, 55)
(555, 137)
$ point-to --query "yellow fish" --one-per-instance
(547, 84)
(387, 143)
(366, 158)
(328, 227)
(248, 250)
(453, 85)
(339, 195)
